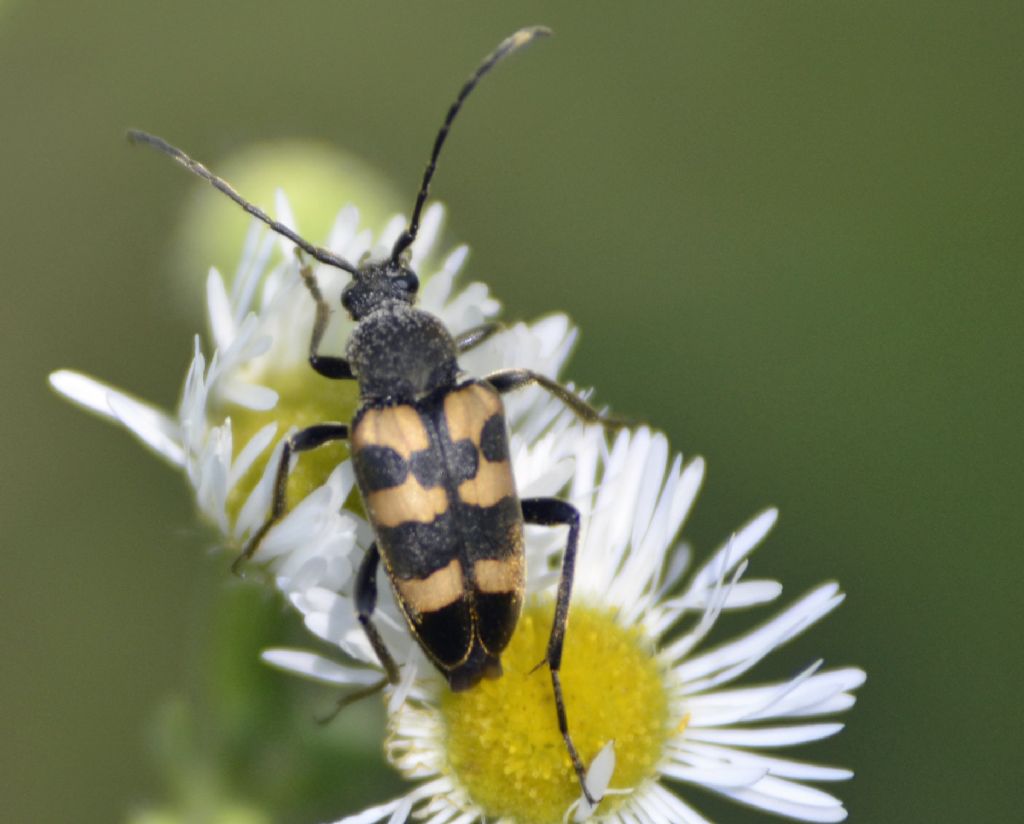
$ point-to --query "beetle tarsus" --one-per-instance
(366, 603)
(352, 698)
(508, 380)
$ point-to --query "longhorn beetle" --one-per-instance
(431, 456)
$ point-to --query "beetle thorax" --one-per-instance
(400, 353)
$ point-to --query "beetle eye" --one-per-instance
(407, 282)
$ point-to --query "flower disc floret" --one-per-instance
(502, 736)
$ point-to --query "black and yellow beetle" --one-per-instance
(431, 456)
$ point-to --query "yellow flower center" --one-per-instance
(503, 742)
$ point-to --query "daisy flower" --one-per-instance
(649, 710)
(255, 387)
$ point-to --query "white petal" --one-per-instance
(751, 647)
(764, 736)
(599, 775)
(343, 230)
(249, 395)
(735, 550)
(438, 288)
(825, 693)
(802, 696)
(214, 465)
(676, 565)
(360, 245)
(251, 451)
(402, 813)
(742, 595)
(718, 775)
(674, 808)
(716, 599)
(789, 799)
(152, 427)
(445, 814)
(218, 308)
(779, 767)
(318, 668)
(379, 813)
(257, 505)
(259, 243)
(401, 692)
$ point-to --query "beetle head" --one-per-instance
(378, 283)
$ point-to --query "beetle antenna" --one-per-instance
(505, 48)
(221, 185)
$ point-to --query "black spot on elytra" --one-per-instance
(463, 461)
(427, 468)
(379, 467)
(493, 440)
(497, 615)
(447, 632)
(415, 550)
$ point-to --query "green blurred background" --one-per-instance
(791, 235)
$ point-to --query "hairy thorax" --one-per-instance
(401, 354)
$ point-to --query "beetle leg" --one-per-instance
(552, 512)
(473, 337)
(301, 441)
(507, 380)
(327, 365)
(352, 698)
(366, 603)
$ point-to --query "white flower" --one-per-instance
(256, 387)
(646, 707)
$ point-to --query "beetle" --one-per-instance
(430, 450)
